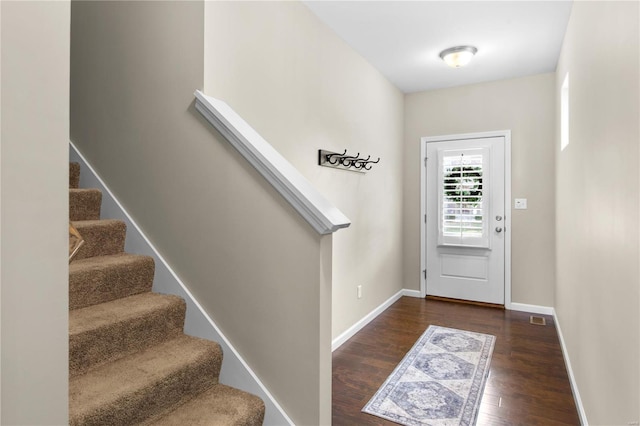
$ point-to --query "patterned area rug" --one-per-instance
(439, 382)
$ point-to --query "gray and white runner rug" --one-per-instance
(439, 382)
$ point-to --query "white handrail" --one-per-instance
(323, 216)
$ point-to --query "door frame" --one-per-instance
(506, 134)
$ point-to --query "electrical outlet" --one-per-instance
(359, 288)
(520, 204)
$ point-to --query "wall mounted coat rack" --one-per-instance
(345, 161)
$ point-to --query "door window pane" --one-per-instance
(462, 193)
(462, 197)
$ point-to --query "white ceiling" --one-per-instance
(403, 39)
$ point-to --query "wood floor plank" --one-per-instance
(527, 385)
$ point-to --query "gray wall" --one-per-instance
(34, 212)
(526, 107)
(597, 294)
(304, 89)
(255, 266)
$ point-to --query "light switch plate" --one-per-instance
(520, 204)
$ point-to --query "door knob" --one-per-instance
(498, 229)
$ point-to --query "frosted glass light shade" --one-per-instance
(458, 56)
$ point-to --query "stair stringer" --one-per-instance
(235, 371)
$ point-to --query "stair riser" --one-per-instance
(74, 175)
(227, 405)
(89, 287)
(173, 390)
(101, 238)
(109, 343)
(84, 204)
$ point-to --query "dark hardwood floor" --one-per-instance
(527, 385)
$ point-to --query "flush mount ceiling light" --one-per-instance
(458, 56)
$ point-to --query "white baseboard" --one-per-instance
(351, 331)
(412, 293)
(572, 379)
(534, 309)
(235, 371)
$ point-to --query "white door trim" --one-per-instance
(507, 199)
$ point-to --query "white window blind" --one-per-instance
(463, 203)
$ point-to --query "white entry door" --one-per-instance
(465, 219)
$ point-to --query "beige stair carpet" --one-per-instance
(129, 360)
(101, 279)
(84, 204)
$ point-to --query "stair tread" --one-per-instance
(96, 222)
(113, 330)
(85, 191)
(121, 384)
(102, 237)
(119, 310)
(100, 279)
(219, 406)
(107, 261)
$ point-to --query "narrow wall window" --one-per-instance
(564, 113)
(463, 206)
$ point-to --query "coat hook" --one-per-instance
(371, 162)
(348, 161)
(360, 162)
(329, 158)
(345, 161)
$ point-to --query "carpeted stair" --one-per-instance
(129, 360)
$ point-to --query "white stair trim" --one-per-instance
(235, 371)
(321, 214)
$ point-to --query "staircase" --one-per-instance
(129, 361)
